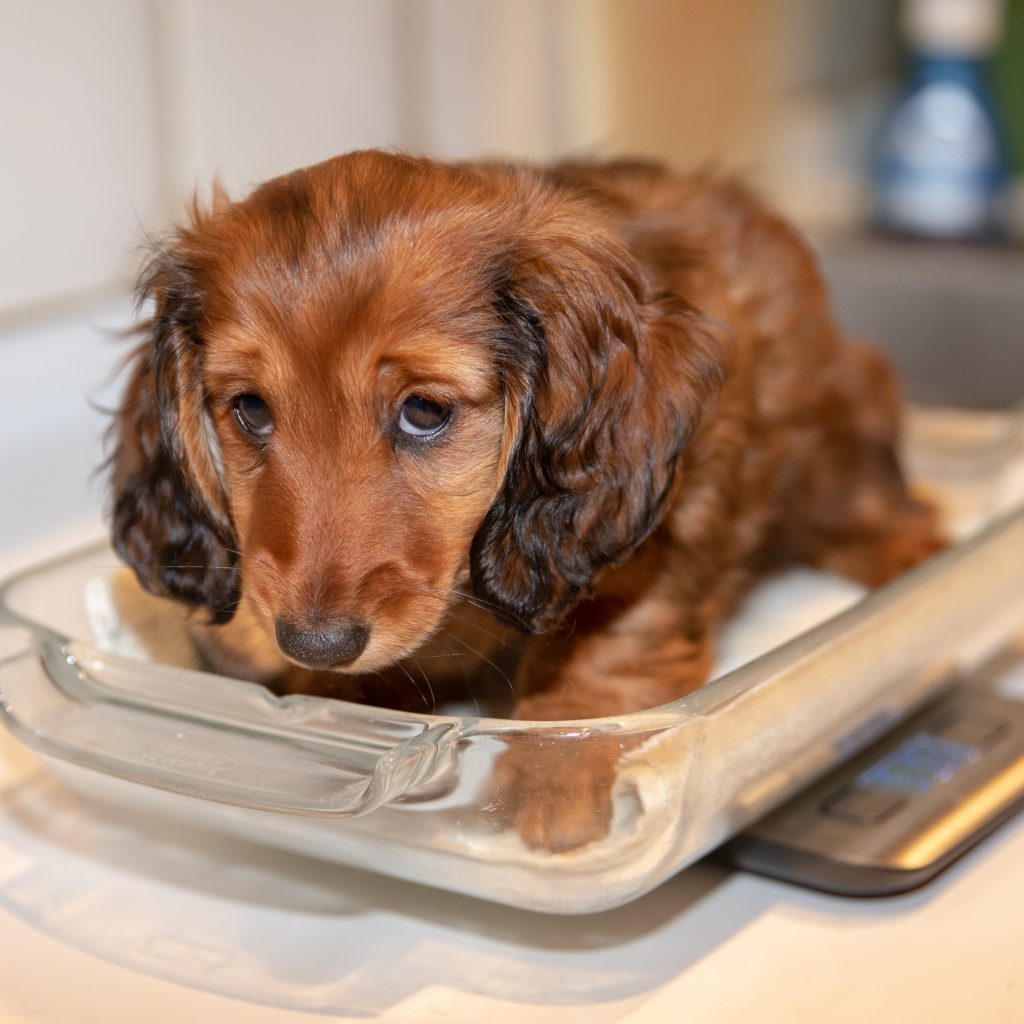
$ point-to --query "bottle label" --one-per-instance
(939, 165)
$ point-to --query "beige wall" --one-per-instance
(249, 89)
(78, 148)
(114, 110)
(785, 93)
(688, 79)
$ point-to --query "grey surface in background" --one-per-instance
(943, 314)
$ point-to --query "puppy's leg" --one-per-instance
(874, 555)
(851, 511)
(610, 661)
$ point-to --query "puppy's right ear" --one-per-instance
(169, 515)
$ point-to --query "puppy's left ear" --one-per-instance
(605, 382)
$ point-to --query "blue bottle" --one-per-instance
(940, 167)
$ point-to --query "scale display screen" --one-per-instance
(918, 764)
(948, 776)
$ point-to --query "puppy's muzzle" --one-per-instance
(323, 645)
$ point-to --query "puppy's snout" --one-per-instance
(323, 645)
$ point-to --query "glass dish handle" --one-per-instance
(66, 701)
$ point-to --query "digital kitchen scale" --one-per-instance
(901, 811)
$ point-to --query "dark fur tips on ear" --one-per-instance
(161, 532)
(606, 399)
(167, 519)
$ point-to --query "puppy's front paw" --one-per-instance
(556, 790)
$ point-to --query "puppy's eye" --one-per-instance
(253, 415)
(421, 417)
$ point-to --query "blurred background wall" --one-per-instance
(114, 110)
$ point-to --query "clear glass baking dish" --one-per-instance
(95, 677)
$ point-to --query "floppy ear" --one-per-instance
(169, 513)
(605, 384)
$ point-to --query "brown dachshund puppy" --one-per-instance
(596, 401)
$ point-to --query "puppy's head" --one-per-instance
(380, 382)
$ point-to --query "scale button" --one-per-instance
(862, 805)
(972, 728)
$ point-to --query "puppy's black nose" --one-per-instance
(324, 645)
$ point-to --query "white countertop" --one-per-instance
(106, 919)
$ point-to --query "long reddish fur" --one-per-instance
(652, 409)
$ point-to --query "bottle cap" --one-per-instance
(956, 28)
